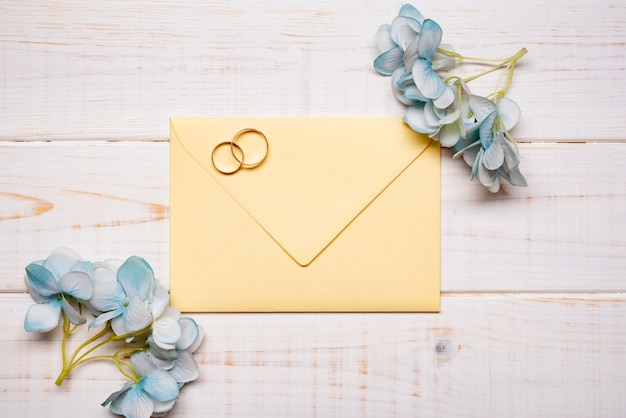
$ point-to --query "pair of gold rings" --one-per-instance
(228, 156)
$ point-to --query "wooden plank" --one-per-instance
(567, 231)
(485, 355)
(118, 69)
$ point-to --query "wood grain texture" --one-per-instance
(118, 69)
(483, 355)
(566, 232)
(533, 313)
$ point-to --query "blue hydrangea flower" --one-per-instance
(124, 301)
(177, 358)
(488, 149)
(397, 42)
(426, 79)
(54, 283)
(153, 394)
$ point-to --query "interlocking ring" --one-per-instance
(257, 148)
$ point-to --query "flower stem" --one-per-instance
(462, 58)
(70, 363)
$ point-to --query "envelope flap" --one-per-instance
(319, 175)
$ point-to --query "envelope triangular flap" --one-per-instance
(318, 176)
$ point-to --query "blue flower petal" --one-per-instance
(160, 385)
(185, 369)
(60, 261)
(136, 316)
(142, 364)
(486, 130)
(161, 408)
(115, 395)
(71, 313)
(33, 293)
(387, 62)
(42, 280)
(494, 156)
(136, 277)
(383, 38)
(415, 117)
(516, 178)
(429, 39)
(43, 317)
(409, 10)
(105, 317)
(511, 157)
(134, 403)
(427, 80)
(509, 112)
(189, 333)
(450, 134)
(404, 30)
(84, 266)
(76, 284)
(108, 296)
(481, 107)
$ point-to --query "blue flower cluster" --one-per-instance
(132, 310)
(475, 127)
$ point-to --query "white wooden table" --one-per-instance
(533, 317)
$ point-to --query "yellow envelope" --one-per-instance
(343, 215)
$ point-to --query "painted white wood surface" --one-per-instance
(533, 308)
(500, 355)
(118, 69)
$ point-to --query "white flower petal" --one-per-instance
(450, 134)
(107, 296)
(136, 316)
(189, 333)
(60, 261)
(494, 156)
(427, 80)
(446, 99)
(481, 107)
(42, 317)
(72, 315)
(134, 403)
(416, 119)
(185, 369)
(404, 30)
(517, 179)
(142, 364)
(104, 273)
(495, 186)
(509, 112)
(431, 116)
(105, 317)
(486, 177)
(470, 154)
(166, 332)
(76, 284)
(162, 408)
(511, 157)
(383, 38)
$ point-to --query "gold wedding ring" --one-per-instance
(252, 140)
(224, 159)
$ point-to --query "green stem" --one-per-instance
(70, 363)
(462, 58)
